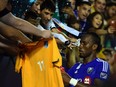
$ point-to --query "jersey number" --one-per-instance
(41, 65)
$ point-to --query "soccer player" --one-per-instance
(93, 71)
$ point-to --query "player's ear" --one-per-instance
(94, 47)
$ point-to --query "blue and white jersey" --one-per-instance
(87, 73)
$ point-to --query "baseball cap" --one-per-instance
(81, 2)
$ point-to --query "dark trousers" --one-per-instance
(8, 76)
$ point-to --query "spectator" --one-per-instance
(33, 18)
(32, 15)
(8, 18)
(110, 17)
(95, 24)
(110, 10)
(47, 9)
(73, 3)
(99, 5)
(81, 12)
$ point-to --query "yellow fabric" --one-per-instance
(101, 55)
(92, 9)
(40, 65)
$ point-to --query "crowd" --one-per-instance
(88, 59)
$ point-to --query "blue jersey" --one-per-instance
(87, 73)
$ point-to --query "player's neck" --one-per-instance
(89, 58)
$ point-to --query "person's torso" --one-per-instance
(87, 73)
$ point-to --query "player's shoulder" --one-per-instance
(103, 64)
(101, 60)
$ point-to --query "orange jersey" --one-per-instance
(41, 65)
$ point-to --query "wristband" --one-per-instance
(73, 81)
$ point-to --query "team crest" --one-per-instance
(45, 44)
(87, 80)
(90, 70)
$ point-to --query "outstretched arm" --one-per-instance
(12, 34)
(24, 26)
(8, 47)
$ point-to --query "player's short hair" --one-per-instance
(95, 39)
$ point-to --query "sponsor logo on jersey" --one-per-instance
(87, 80)
(103, 75)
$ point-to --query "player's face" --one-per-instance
(83, 11)
(85, 48)
(46, 16)
(100, 5)
(97, 21)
